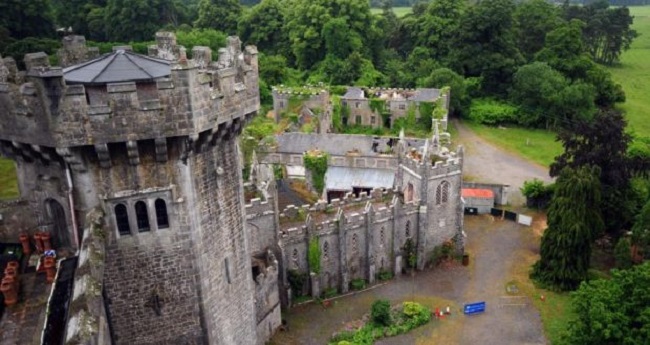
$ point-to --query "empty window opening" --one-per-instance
(227, 265)
(407, 230)
(357, 120)
(161, 214)
(442, 193)
(326, 252)
(142, 216)
(122, 220)
(355, 244)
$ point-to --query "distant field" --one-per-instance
(8, 184)
(399, 11)
(634, 74)
(536, 145)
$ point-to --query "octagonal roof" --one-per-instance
(118, 66)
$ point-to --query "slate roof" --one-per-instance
(116, 67)
(354, 93)
(338, 144)
(425, 95)
(344, 178)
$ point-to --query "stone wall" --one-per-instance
(222, 248)
(16, 218)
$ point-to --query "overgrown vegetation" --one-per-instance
(538, 195)
(297, 282)
(316, 162)
(358, 284)
(8, 181)
(385, 322)
(314, 255)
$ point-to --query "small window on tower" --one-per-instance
(122, 220)
(142, 216)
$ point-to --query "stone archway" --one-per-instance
(56, 217)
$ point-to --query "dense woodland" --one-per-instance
(531, 63)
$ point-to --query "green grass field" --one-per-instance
(8, 184)
(399, 11)
(633, 74)
(536, 145)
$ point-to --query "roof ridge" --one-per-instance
(105, 67)
(138, 66)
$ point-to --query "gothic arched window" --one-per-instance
(142, 216)
(382, 236)
(442, 193)
(407, 230)
(355, 244)
(122, 220)
(161, 214)
(326, 251)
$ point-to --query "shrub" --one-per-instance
(623, 253)
(492, 112)
(296, 281)
(330, 292)
(314, 255)
(384, 275)
(380, 312)
(358, 284)
(537, 194)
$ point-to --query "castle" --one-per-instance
(132, 164)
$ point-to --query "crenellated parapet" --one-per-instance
(201, 99)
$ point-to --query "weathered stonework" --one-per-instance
(160, 158)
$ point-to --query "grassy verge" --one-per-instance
(633, 73)
(399, 11)
(536, 145)
(8, 181)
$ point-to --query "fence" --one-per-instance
(515, 217)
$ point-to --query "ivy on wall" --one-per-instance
(316, 163)
(314, 255)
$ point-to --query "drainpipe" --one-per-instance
(71, 202)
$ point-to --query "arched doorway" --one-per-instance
(56, 216)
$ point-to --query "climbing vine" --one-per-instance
(426, 113)
(316, 163)
(314, 255)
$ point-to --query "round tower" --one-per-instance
(151, 140)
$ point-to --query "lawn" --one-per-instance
(536, 145)
(8, 184)
(399, 11)
(633, 74)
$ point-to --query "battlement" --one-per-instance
(51, 106)
(416, 163)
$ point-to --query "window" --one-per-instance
(356, 105)
(402, 106)
(382, 236)
(161, 214)
(357, 120)
(355, 244)
(294, 259)
(227, 266)
(372, 120)
(142, 216)
(442, 193)
(122, 220)
(408, 192)
(281, 104)
(326, 252)
(407, 231)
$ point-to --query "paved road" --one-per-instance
(485, 162)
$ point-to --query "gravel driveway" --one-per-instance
(495, 246)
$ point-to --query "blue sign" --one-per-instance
(474, 308)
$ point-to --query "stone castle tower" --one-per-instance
(433, 175)
(152, 142)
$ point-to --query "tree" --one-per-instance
(444, 77)
(27, 18)
(574, 221)
(136, 20)
(438, 25)
(614, 311)
(305, 20)
(564, 50)
(607, 31)
(641, 231)
(533, 19)
(221, 15)
(263, 26)
(485, 45)
(536, 88)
